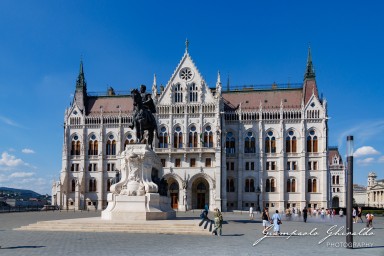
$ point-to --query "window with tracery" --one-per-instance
(75, 146)
(178, 93)
(193, 137)
(193, 93)
(230, 144)
(163, 138)
(291, 143)
(178, 138)
(111, 146)
(93, 146)
(312, 142)
(208, 137)
(270, 143)
(250, 143)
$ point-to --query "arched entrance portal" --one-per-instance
(335, 202)
(174, 193)
(200, 193)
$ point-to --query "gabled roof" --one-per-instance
(332, 152)
(269, 99)
(109, 104)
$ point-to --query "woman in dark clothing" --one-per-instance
(305, 214)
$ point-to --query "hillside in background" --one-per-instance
(18, 193)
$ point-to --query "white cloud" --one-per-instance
(10, 160)
(381, 159)
(9, 121)
(366, 161)
(365, 151)
(27, 151)
(364, 131)
(21, 174)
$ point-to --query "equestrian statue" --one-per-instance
(143, 118)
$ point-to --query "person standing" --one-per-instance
(276, 223)
(354, 215)
(359, 212)
(251, 216)
(369, 217)
(305, 214)
(218, 220)
(266, 220)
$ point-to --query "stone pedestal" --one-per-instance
(151, 206)
(135, 196)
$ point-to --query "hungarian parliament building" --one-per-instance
(231, 148)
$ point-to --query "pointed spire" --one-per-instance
(218, 78)
(80, 83)
(310, 70)
(154, 79)
(186, 45)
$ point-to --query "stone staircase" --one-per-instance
(176, 226)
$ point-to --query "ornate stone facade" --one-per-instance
(230, 149)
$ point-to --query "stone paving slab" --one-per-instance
(239, 235)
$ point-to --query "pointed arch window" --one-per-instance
(193, 93)
(92, 185)
(111, 146)
(75, 146)
(208, 137)
(192, 138)
(250, 143)
(128, 140)
(178, 93)
(178, 138)
(270, 143)
(291, 143)
(230, 144)
(93, 146)
(163, 138)
(312, 143)
(312, 185)
(250, 185)
(73, 185)
(270, 185)
(230, 185)
(291, 185)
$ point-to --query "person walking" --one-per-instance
(369, 217)
(359, 212)
(251, 216)
(218, 221)
(266, 220)
(276, 220)
(305, 214)
(354, 213)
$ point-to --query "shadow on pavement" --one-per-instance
(22, 247)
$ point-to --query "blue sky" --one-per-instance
(123, 43)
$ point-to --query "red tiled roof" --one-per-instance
(309, 88)
(110, 104)
(291, 98)
(332, 153)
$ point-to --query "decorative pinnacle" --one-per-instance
(154, 79)
(186, 45)
(310, 70)
(218, 77)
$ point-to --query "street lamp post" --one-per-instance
(349, 223)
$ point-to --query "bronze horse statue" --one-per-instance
(143, 119)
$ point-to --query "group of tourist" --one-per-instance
(274, 222)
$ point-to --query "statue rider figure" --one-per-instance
(143, 111)
(147, 99)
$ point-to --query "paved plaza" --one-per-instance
(239, 236)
